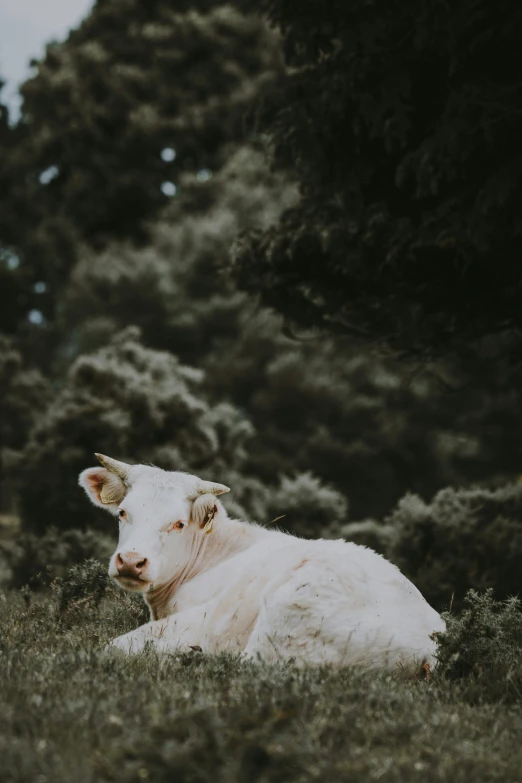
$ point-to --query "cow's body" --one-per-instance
(266, 594)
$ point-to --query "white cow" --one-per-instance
(220, 584)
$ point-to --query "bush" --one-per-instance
(85, 582)
(484, 643)
(369, 533)
(306, 505)
(37, 560)
(464, 538)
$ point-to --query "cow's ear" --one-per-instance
(205, 509)
(104, 488)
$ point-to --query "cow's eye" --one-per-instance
(171, 526)
(122, 513)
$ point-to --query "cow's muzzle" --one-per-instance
(131, 565)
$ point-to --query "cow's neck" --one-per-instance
(228, 538)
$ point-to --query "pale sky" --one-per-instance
(25, 27)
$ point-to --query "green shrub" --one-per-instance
(37, 560)
(306, 506)
(484, 643)
(79, 595)
(466, 538)
(85, 582)
(463, 539)
(369, 532)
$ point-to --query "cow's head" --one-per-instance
(163, 518)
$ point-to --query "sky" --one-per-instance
(25, 27)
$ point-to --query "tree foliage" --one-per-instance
(24, 396)
(151, 353)
(365, 424)
(303, 505)
(402, 121)
(137, 96)
(173, 288)
(123, 400)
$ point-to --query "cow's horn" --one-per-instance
(211, 488)
(121, 469)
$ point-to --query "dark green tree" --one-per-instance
(173, 288)
(24, 396)
(364, 424)
(131, 402)
(402, 121)
(14, 302)
(139, 95)
(315, 405)
(275, 414)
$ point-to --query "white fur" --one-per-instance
(262, 592)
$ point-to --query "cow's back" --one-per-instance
(319, 601)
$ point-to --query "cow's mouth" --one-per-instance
(132, 582)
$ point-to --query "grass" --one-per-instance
(71, 712)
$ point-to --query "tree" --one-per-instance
(173, 288)
(402, 121)
(25, 395)
(138, 96)
(264, 412)
(315, 406)
(124, 400)
(370, 427)
(13, 299)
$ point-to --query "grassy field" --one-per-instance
(72, 713)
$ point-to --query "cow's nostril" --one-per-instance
(130, 564)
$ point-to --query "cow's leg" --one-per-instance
(271, 633)
(181, 631)
(293, 624)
